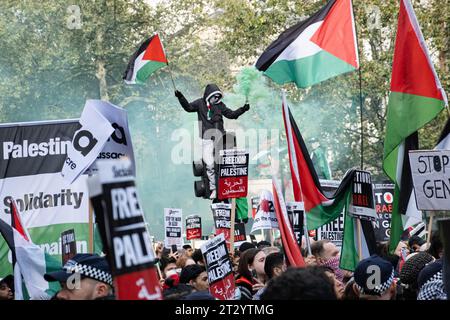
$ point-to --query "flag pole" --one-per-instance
(232, 219)
(358, 222)
(361, 108)
(91, 229)
(171, 76)
(430, 226)
(305, 220)
(167, 63)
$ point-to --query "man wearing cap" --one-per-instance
(210, 112)
(84, 277)
(374, 279)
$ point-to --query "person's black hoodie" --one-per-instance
(218, 110)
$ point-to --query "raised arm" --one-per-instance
(230, 114)
(189, 107)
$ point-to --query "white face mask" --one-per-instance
(215, 99)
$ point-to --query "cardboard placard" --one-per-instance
(219, 268)
(222, 218)
(233, 174)
(68, 245)
(130, 246)
(193, 227)
(173, 224)
(296, 211)
(239, 232)
(384, 201)
(430, 171)
(265, 218)
(362, 203)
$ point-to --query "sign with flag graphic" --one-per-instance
(219, 268)
(416, 98)
(431, 176)
(130, 252)
(314, 50)
(146, 60)
(193, 227)
(265, 218)
(233, 174)
(31, 157)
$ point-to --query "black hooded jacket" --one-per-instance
(218, 110)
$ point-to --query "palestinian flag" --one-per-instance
(31, 262)
(147, 59)
(416, 98)
(319, 208)
(290, 245)
(314, 50)
(354, 250)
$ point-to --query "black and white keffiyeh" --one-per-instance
(88, 271)
(433, 289)
(378, 290)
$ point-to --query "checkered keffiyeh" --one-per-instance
(433, 289)
(88, 271)
(378, 290)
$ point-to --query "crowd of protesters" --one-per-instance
(261, 272)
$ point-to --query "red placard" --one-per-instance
(139, 285)
(192, 234)
(223, 289)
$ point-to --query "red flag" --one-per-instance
(290, 245)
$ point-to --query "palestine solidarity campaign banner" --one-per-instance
(32, 155)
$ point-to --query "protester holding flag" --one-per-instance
(210, 111)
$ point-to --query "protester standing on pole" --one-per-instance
(210, 111)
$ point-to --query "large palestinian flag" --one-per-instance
(416, 98)
(31, 262)
(147, 59)
(314, 50)
(319, 208)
